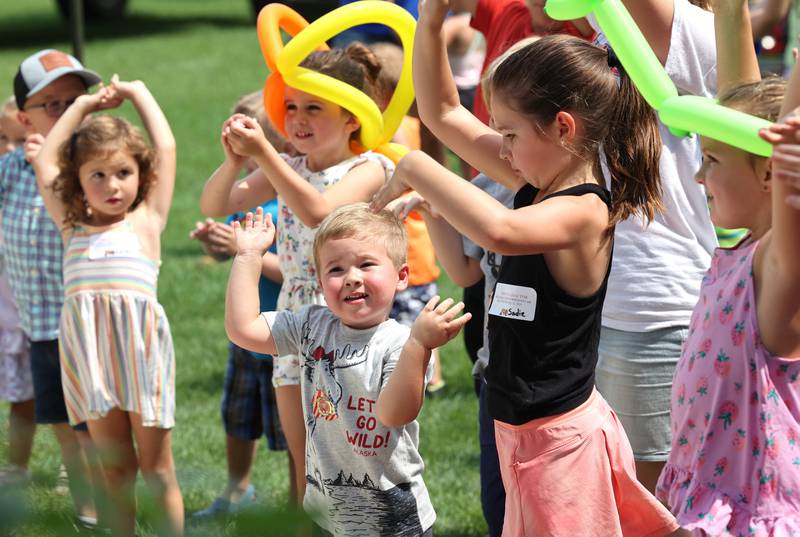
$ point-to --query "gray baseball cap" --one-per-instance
(42, 68)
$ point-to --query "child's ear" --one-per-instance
(566, 126)
(765, 175)
(402, 278)
(25, 121)
(353, 124)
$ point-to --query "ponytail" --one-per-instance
(632, 147)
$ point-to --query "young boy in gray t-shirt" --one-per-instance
(363, 375)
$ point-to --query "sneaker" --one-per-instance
(223, 507)
(14, 476)
(435, 388)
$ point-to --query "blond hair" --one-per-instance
(356, 220)
(9, 107)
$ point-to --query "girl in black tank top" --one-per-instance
(554, 103)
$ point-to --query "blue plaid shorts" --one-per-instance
(248, 400)
(407, 304)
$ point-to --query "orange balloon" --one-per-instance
(271, 20)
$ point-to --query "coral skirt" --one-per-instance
(573, 475)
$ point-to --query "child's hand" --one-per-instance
(231, 155)
(438, 323)
(403, 206)
(786, 155)
(125, 90)
(217, 238)
(255, 235)
(33, 144)
(245, 136)
(392, 189)
(433, 12)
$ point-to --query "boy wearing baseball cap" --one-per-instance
(46, 84)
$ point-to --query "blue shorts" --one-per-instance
(48, 394)
(634, 375)
(248, 400)
(407, 304)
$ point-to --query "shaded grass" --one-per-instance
(197, 57)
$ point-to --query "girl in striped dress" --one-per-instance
(110, 192)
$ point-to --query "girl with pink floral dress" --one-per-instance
(734, 468)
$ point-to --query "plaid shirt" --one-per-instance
(33, 249)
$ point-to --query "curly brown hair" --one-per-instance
(98, 137)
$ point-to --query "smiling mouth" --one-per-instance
(303, 135)
(355, 296)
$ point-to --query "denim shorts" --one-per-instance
(48, 393)
(634, 374)
(248, 400)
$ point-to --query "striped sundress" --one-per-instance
(115, 344)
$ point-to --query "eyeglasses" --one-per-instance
(54, 108)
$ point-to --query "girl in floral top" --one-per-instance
(734, 466)
(327, 175)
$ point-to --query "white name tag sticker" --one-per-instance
(114, 244)
(514, 302)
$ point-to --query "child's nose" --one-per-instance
(353, 277)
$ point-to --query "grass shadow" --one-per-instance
(41, 31)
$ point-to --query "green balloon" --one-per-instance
(707, 118)
(683, 114)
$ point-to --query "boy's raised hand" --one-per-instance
(255, 235)
(438, 322)
(245, 136)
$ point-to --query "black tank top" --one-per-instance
(545, 366)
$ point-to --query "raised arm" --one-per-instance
(779, 318)
(309, 204)
(439, 105)
(400, 401)
(243, 321)
(159, 198)
(736, 55)
(46, 162)
(554, 224)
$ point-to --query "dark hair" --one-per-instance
(356, 65)
(702, 4)
(100, 136)
(561, 73)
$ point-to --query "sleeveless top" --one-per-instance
(543, 341)
(115, 343)
(734, 468)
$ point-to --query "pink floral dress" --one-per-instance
(734, 468)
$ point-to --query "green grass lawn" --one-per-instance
(197, 57)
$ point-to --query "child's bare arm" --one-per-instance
(159, 198)
(736, 55)
(46, 162)
(439, 105)
(554, 224)
(309, 204)
(654, 19)
(243, 321)
(400, 401)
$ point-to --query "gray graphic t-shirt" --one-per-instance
(363, 479)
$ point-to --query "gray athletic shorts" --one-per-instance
(634, 374)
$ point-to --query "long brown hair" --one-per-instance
(100, 136)
(561, 73)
